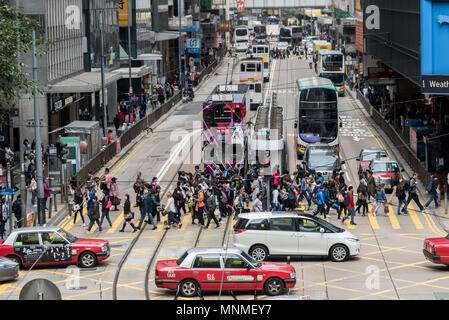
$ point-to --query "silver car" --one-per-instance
(9, 270)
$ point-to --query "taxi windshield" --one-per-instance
(255, 263)
(385, 167)
(71, 238)
(368, 156)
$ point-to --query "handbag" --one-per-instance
(109, 204)
(116, 201)
(76, 207)
(129, 215)
(386, 210)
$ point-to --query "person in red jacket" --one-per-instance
(349, 198)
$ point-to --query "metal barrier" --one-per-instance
(403, 148)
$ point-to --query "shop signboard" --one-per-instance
(434, 46)
(359, 26)
(193, 45)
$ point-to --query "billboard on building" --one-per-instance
(434, 46)
(359, 26)
(123, 13)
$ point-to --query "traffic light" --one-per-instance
(61, 149)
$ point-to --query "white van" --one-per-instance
(268, 234)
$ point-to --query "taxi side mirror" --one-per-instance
(357, 159)
(296, 125)
(343, 162)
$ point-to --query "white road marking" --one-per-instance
(347, 176)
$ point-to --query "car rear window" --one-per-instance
(241, 224)
(181, 259)
(258, 224)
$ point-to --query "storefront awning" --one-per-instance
(84, 82)
(135, 72)
(167, 35)
(149, 57)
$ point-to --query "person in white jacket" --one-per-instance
(257, 203)
(171, 210)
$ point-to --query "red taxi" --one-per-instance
(383, 170)
(215, 269)
(368, 154)
(436, 250)
(52, 246)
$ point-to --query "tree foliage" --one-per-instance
(15, 39)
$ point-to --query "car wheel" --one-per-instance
(274, 287)
(16, 259)
(189, 288)
(339, 253)
(259, 253)
(87, 259)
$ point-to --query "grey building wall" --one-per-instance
(397, 42)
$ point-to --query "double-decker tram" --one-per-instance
(317, 114)
(251, 73)
(330, 65)
(224, 113)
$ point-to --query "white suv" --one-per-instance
(288, 234)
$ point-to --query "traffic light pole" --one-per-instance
(37, 133)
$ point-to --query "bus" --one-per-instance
(285, 35)
(330, 65)
(317, 118)
(296, 35)
(241, 38)
(320, 45)
(224, 113)
(262, 51)
(273, 20)
(292, 22)
(251, 73)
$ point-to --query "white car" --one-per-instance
(268, 234)
(283, 45)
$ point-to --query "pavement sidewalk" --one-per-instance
(441, 218)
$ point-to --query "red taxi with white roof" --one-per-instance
(52, 246)
(383, 170)
(436, 250)
(221, 269)
(368, 154)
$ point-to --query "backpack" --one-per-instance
(429, 186)
(407, 185)
(315, 198)
(400, 193)
(345, 200)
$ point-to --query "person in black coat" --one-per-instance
(117, 123)
(94, 214)
(128, 215)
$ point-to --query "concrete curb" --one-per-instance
(442, 220)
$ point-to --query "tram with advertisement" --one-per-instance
(224, 113)
(251, 73)
(317, 118)
(330, 65)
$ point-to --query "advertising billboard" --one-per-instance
(359, 27)
(434, 46)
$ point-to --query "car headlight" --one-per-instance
(293, 275)
(352, 239)
(104, 248)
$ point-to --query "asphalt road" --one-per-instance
(391, 264)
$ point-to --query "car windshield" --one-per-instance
(71, 238)
(368, 156)
(255, 263)
(329, 226)
(323, 159)
(384, 167)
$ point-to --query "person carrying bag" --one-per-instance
(128, 215)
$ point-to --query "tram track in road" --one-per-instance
(133, 243)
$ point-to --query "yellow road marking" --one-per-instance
(185, 221)
(414, 216)
(70, 226)
(393, 219)
(118, 221)
(5, 286)
(372, 218)
(348, 223)
(426, 217)
(437, 229)
(160, 225)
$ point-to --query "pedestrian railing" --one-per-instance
(403, 148)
